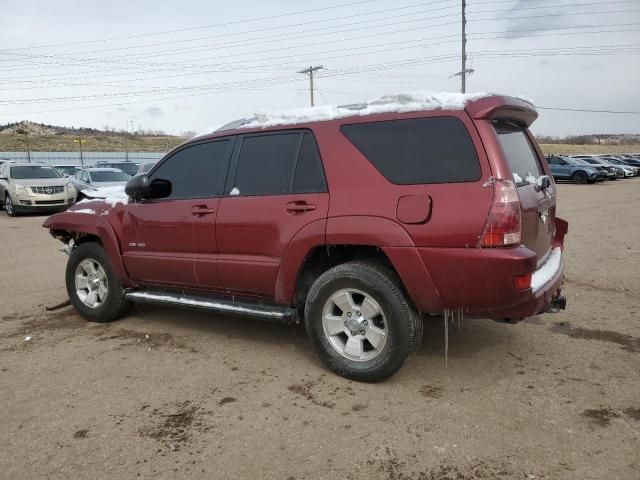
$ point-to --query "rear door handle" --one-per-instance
(201, 210)
(299, 207)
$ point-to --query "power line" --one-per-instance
(221, 46)
(166, 32)
(253, 31)
(588, 110)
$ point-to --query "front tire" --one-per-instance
(360, 322)
(580, 178)
(8, 206)
(92, 285)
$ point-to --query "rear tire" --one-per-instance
(360, 322)
(580, 178)
(92, 285)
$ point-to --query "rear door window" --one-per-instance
(266, 163)
(417, 151)
(521, 156)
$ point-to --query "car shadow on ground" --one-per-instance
(473, 337)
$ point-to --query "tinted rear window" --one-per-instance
(417, 151)
(520, 154)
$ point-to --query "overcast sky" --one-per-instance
(192, 65)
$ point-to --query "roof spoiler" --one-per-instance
(499, 107)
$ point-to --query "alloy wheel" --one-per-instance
(355, 325)
(92, 286)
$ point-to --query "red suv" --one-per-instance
(359, 221)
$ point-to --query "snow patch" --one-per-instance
(84, 210)
(517, 178)
(400, 102)
(110, 195)
(234, 191)
(26, 339)
(532, 179)
(547, 271)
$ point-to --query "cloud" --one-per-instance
(154, 112)
(554, 17)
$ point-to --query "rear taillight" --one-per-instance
(503, 226)
(522, 282)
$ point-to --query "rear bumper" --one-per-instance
(481, 281)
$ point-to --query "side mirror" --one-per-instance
(138, 187)
(160, 188)
(544, 182)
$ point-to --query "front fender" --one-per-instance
(90, 224)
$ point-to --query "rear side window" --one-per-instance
(309, 176)
(417, 151)
(520, 154)
(196, 171)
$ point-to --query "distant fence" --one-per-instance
(88, 158)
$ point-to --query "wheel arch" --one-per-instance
(82, 228)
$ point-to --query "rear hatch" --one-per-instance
(538, 206)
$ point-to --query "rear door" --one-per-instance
(164, 239)
(538, 205)
(275, 188)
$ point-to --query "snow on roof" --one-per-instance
(400, 102)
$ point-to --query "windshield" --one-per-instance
(519, 152)
(129, 167)
(23, 172)
(66, 170)
(108, 176)
(147, 166)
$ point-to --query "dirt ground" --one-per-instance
(169, 393)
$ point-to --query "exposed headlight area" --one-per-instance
(20, 189)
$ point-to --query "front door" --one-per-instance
(276, 187)
(165, 237)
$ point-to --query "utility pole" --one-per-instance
(25, 132)
(79, 141)
(309, 71)
(464, 71)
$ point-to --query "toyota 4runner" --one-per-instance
(359, 221)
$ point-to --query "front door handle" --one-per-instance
(201, 210)
(299, 207)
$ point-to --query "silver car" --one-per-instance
(89, 179)
(34, 187)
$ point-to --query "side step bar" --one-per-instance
(272, 313)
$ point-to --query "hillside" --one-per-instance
(90, 143)
(40, 129)
(52, 138)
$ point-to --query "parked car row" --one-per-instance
(582, 169)
(40, 187)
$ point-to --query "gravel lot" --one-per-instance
(168, 393)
